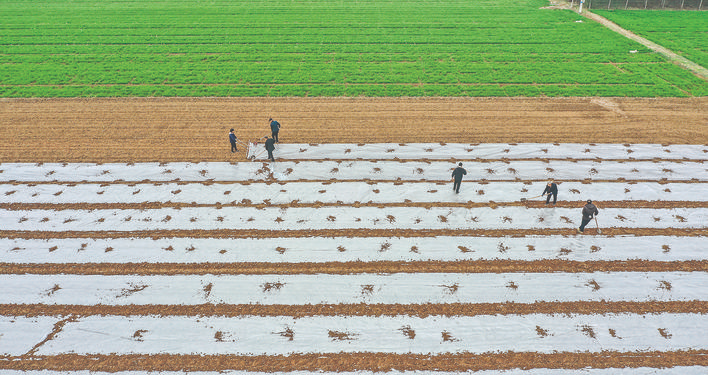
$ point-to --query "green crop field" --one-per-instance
(684, 32)
(82, 48)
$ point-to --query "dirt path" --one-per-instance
(195, 129)
(680, 60)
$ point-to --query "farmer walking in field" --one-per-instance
(589, 210)
(270, 146)
(457, 177)
(551, 189)
(274, 128)
(232, 139)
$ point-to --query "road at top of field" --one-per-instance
(329, 48)
(196, 129)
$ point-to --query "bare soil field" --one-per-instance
(195, 129)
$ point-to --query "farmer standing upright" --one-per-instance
(232, 139)
(274, 129)
(457, 177)
(589, 210)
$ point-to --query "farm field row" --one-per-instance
(250, 335)
(450, 151)
(329, 48)
(401, 288)
(338, 218)
(638, 194)
(290, 250)
(678, 370)
(357, 170)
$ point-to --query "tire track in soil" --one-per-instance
(58, 326)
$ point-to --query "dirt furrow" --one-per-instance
(358, 361)
(346, 268)
(363, 309)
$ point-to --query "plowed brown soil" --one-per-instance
(363, 309)
(195, 129)
(376, 362)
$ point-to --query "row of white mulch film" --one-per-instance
(356, 170)
(344, 192)
(253, 335)
(348, 249)
(397, 288)
(332, 217)
(484, 151)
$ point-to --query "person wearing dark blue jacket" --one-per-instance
(270, 147)
(551, 189)
(274, 128)
(457, 176)
(232, 139)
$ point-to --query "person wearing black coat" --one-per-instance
(457, 177)
(274, 129)
(589, 210)
(232, 139)
(551, 189)
(270, 146)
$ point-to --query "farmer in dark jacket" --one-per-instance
(274, 128)
(232, 139)
(457, 176)
(270, 146)
(589, 210)
(551, 189)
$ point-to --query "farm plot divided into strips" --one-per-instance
(356, 257)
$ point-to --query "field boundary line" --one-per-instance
(670, 55)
